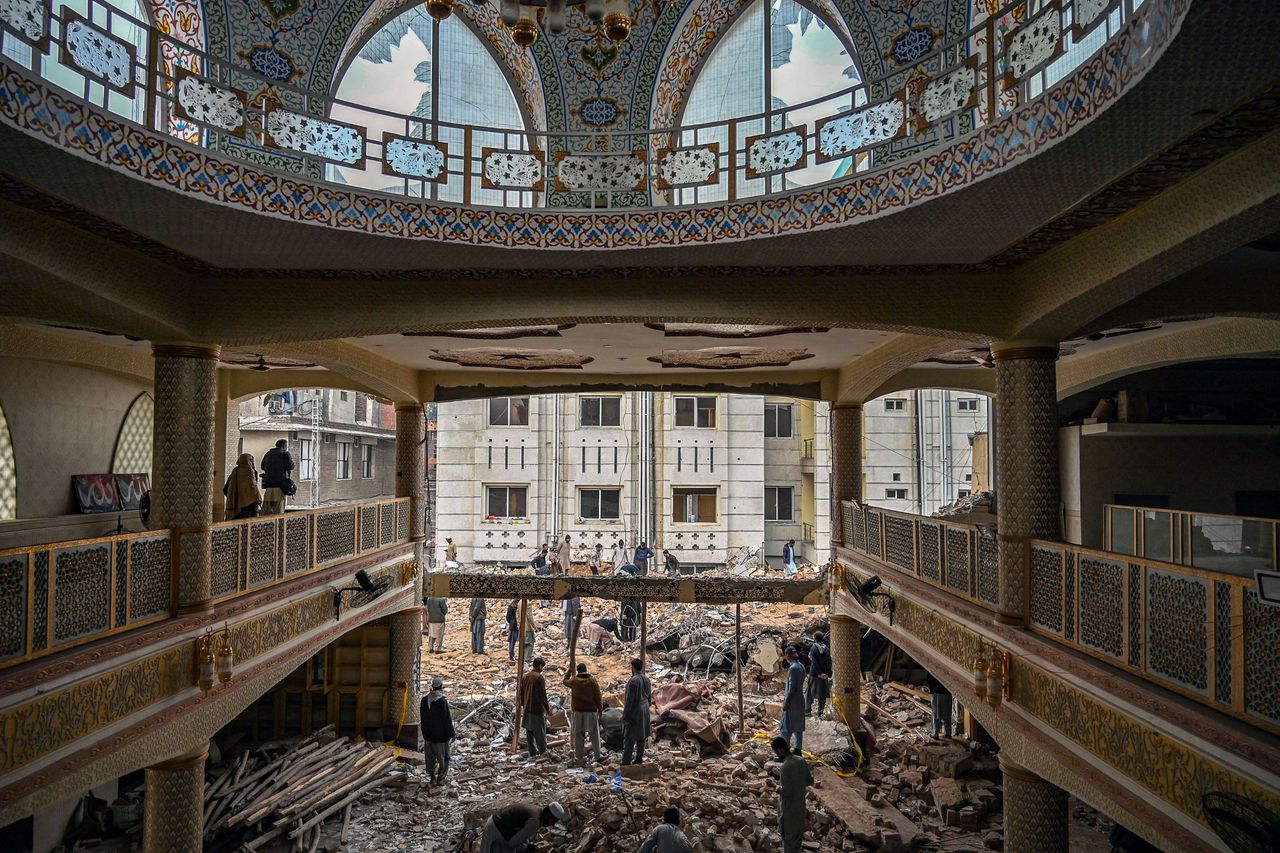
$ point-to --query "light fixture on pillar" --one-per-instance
(991, 679)
(980, 678)
(206, 663)
(522, 17)
(225, 660)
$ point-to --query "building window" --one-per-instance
(344, 460)
(600, 411)
(895, 494)
(778, 501)
(342, 395)
(508, 501)
(366, 461)
(306, 459)
(697, 412)
(963, 493)
(968, 478)
(777, 420)
(600, 504)
(967, 405)
(894, 405)
(509, 411)
(693, 505)
(897, 478)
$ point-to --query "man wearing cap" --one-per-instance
(437, 731)
(793, 778)
(450, 554)
(509, 829)
(792, 723)
(587, 705)
(437, 610)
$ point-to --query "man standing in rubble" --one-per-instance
(793, 778)
(635, 714)
(510, 829)
(819, 675)
(451, 554)
(437, 609)
(789, 558)
(629, 619)
(571, 608)
(478, 613)
(564, 554)
(587, 704)
(620, 555)
(641, 558)
(593, 562)
(792, 723)
(437, 731)
(513, 628)
(535, 707)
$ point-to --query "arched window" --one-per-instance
(421, 68)
(133, 446)
(775, 55)
(8, 473)
(124, 22)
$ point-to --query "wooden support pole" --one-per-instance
(524, 621)
(737, 662)
(644, 633)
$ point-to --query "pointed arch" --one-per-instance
(133, 444)
(8, 472)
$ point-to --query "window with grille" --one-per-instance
(600, 411)
(600, 504)
(778, 502)
(693, 505)
(366, 461)
(777, 420)
(509, 411)
(698, 412)
(507, 501)
(967, 405)
(344, 460)
(894, 405)
(895, 494)
(306, 459)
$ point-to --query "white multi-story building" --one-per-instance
(700, 474)
(919, 448)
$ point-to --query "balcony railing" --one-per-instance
(102, 56)
(807, 452)
(1235, 544)
(60, 595)
(1204, 634)
(807, 534)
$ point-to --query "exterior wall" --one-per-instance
(1197, 469)
(928, 444)
(324, 416)
(63, 420)
(733, 457)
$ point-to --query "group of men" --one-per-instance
(804, 688)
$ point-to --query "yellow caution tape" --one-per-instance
(404, 708)
(809, 755)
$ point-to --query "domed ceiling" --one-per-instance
(576, 81)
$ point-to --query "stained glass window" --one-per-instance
(421, 68)
(775, 56)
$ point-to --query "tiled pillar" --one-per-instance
(846, 668)
(406, 626)
(173, 805)
(1035, 812)
(182, 468)
(1027, 498)
(846, 462)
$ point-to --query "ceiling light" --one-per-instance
(521, 17)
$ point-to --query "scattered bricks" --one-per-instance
(640, 771)
(946, 794)
(913, 778)
(953, 818)
(890, 841)
(948, 759)
(968, 818)
(993, 840)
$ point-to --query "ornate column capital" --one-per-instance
(168, 349)
(1015, 350)
(181, 762)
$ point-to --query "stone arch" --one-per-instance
(133, 444)
(8, 472)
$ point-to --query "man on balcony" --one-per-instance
(276, 465)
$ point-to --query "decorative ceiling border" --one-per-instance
(36, 109)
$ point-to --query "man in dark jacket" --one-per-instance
(819, 675)
(534, 707)
(437, 731)
(513, 628)
(940, 700)
(437, 609)
(477, 614)
(641, 558)
(635, 714)
(672, 564)
(276, 465)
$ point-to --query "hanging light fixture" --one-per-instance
(980, 678)
(521, 17)
(439, 9)
(226, 658)
(206, 665)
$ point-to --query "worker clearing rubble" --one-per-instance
(603, 635)
(792, 723)
(509, 830)
(534, 704)
(587, 704)
(793, 778)
(667, 837)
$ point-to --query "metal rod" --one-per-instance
(515, 726)
(737, 660)
(644, 632)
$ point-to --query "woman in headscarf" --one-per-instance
(241, 489)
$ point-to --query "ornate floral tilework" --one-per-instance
(1177, 629)
(329, 140)
(843, 135)
(26, 16)
(97, 53)
(1034, 43)
(413, 158)
(778, 152)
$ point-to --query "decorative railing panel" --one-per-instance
(63, 594)
(113, 61)
(59, 595)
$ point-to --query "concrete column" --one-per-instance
(1035, 812)
(226, 419)
(846, 462)
(846, 668)
(173, 806)
(182, 468)
(406, 626)
(1027, 496)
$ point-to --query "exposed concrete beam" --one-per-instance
(978, 380)
(473, 384)
(859, 379)
(365, 369)
(251, 383)
(700, 589)
(34, 343)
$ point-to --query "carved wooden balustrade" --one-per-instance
(57, 596)
(1204, 634)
